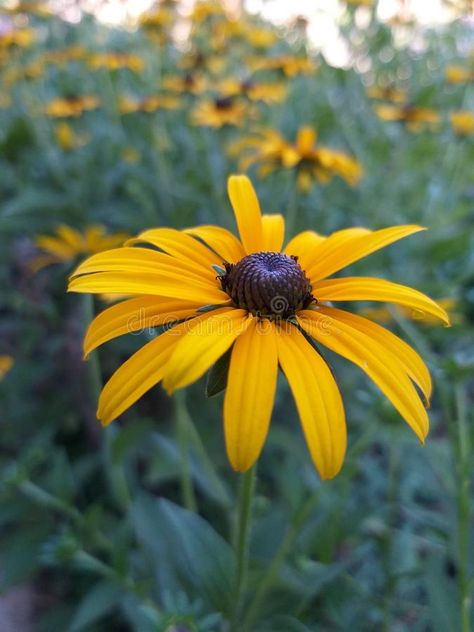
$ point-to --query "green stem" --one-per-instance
(464, 449)
(241, 543)
(279, 558)
(182, 428)
(114, 472)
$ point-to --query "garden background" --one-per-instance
(138, 125)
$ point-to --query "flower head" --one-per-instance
(6, 363)
(72, 106)
(116, 61)
(462, 122)
(68, 244)
(310, 160)
(67, 138)
(219, 112)
(268, 306)
(415, 118)
(128, 105)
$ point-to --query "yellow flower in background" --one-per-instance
(72, 106)
(260, 37)
(253, 90)
(311, 162)
(23, 38)
(459, 74)
(33, 8)
(289, 65)
(128, 105)
(385, 315)
(220, 112)
(462, 122)
(161, 18)
(116, 61)
(268, 305)
(130, 155)
(207, 9)
(360, 3)
(387, 93)
(415, 118)
(68, 243)
(6, 363)
(198, 61)
(67, 138)
(62, 56)
(189, 82)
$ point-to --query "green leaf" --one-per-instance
(217, 376)
(188, 554)
(97, 603)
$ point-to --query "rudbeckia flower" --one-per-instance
(189, 82)
(21, 38)
(149, 104)
(459, 74)
(387, 93)
(6, 363)
(67, 138)
(72, 106)
(268, 306)
(415, 118)
(310, 161)
(116, 61)
(254, 90)
(462, 122)
(219, 112)
(289, 65)
(68, 244)
(161, 18)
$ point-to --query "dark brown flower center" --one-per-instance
(267, 284)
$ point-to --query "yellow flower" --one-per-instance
(213, 64)
(206, 9)
(220, 112)
(415, 118)
(21, 38)
(62, 56)
(68, 243)
(71, 106)
(459, 74)
(149, 104)
(360, 3)
(271, 151)
(387, 93)
(384, 315)
(6, 363)
(130, 155)
(189, 82)
(289, 65)
(462, 122)
(34, 8)
(158, 19)
(260, 37)
(67, 138)
(116, 61)
(254, 90)
(269, 306)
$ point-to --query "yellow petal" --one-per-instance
(204, 343)
(372, 289)
(273, 227)
(372, 358)
(71, 236)
(134, 315)
(180, 245)
(303, 246)
(54, 246)
(221, 241)
(250, 393)
(306, 140)
(402, 353)
(347, 246)
(317, 399)
(247, 212)
(171, 284)
(143, 370)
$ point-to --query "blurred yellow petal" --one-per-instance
(317, 399)
(204, 343)
(247, 212)
(273, 227)
(305, 140)
(6, 363)
(372, 289)
(250, 393)
(374, 360)
(303, 246)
